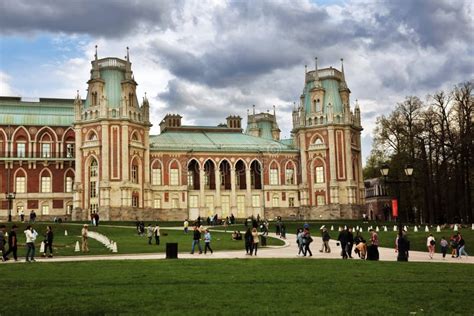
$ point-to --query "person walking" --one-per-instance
(350, 242)
(30, 235)
(343, 239)
(22, 215)
(300, 241)
(444, 246)
(325, 237)
(149, 233)
(97, 219)
(461, 246)
(248, 241)
(196, 240)
(373, 249)
(12, 243)
(255, 241)
(403, 247)
(207, 241)
(454, 245)
(85, 236)
(430, 243)
(156, 232)
(48, 242)
(307, 240)
(3, 242)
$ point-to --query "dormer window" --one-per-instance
(319, 141)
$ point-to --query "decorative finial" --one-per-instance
(95, 56)
(128, 55)
(274, 112)
(253, 109)
(342, 69)
(305, 69)
(316, 76)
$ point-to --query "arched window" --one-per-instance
(134, 172)
(290, 174)
(94, 168)
(20, 182)
(318, 141)
(193, 175)
(274, 174)
(174, 173)
(45, 146)
(45, 182)
(156, 174)
(92, 136)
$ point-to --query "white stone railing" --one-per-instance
(110, 244)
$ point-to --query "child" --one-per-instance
(444, 246)
(207, 241)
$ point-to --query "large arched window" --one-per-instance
(20, 181)
(94, 168)
(68, 181)
(256, 175)
(46, 146)
(290, 173)
(134, 172)
(319, 174)
(174, 173)
(193, 175)
(156, 173)
(274, 175)
(46, 181)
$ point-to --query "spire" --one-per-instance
(78, 97)
(274, 111)
(253, 105)
(316, 76)
(95, 56)
(342, 70)
(357, 105)
(294, 106)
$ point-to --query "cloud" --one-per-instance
(111, 18)
(5, 88)
(206, 60)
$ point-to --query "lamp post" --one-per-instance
(384, 170)
(10, 197)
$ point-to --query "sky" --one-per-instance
(208, 59)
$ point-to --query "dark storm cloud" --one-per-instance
(111, 18)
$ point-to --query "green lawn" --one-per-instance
(238, 287)
(127, 240)
(387, 239)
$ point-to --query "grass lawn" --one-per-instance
(127, 240)
(387, 239)
(238, 287)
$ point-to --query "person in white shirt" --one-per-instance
(85, 235)
(156, 232)
(430, 243)
(186, 225)
(31, 235)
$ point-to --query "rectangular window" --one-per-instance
(174, 203)
(156, 176)
(45, 209)
(135, 201)
(320, 200)
(193, 201)
(69, 150)
(45, 150)
(210, 204)
(174, 177)
(225, 202)
(20, 185)
(273, 176)
(135, 174)
(319, 176)
(291, 202)
(289, 174)
(241, 206)
(157, 203)
(93, 189)
(93, 170)
(68, 184)
(45, 184)
(191, 180)
(21, 150)
(256, 200)
(275, 201)
(207, 182)
(95, 207)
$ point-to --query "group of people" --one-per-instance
(153, 231)
(94, 218)
(304, 240)
(252, 239)
(456, 242)
(198, 231)
(31, 235)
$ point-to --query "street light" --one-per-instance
(384, 169)
(10, 197)
(408, 170)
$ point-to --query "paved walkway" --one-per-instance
(289, 250)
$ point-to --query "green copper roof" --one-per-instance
(214, 141)
(113, 87)
(331, 95)
(265, 129)
(51, 112)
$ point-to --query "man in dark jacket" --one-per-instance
(343, 238)
(350, 242)
(196, 240)
(325, 236)
(12, 243)
(248, 241)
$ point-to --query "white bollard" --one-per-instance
(472, 227)
(6, 234)
(438, 229)
(394, 228)
(78, 248)
(415, 229)
(345, 226)
(42, 247)
(385, 229)
(405, 228)
(339, 229)
(377, 229)
(65, 233)
(456, 227)
(357, 228)
(427, 229)
(322, 226)
(332, 227)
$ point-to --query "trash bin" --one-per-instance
(263, 240)
(171, 250)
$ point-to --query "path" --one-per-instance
(289, 250)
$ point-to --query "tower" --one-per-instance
(112, 143)
(327, 134)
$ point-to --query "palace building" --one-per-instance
(70, 157)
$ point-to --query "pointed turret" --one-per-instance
(77, 107)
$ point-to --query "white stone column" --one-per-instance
(217, 199)
(233, 195)
(202, 201)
